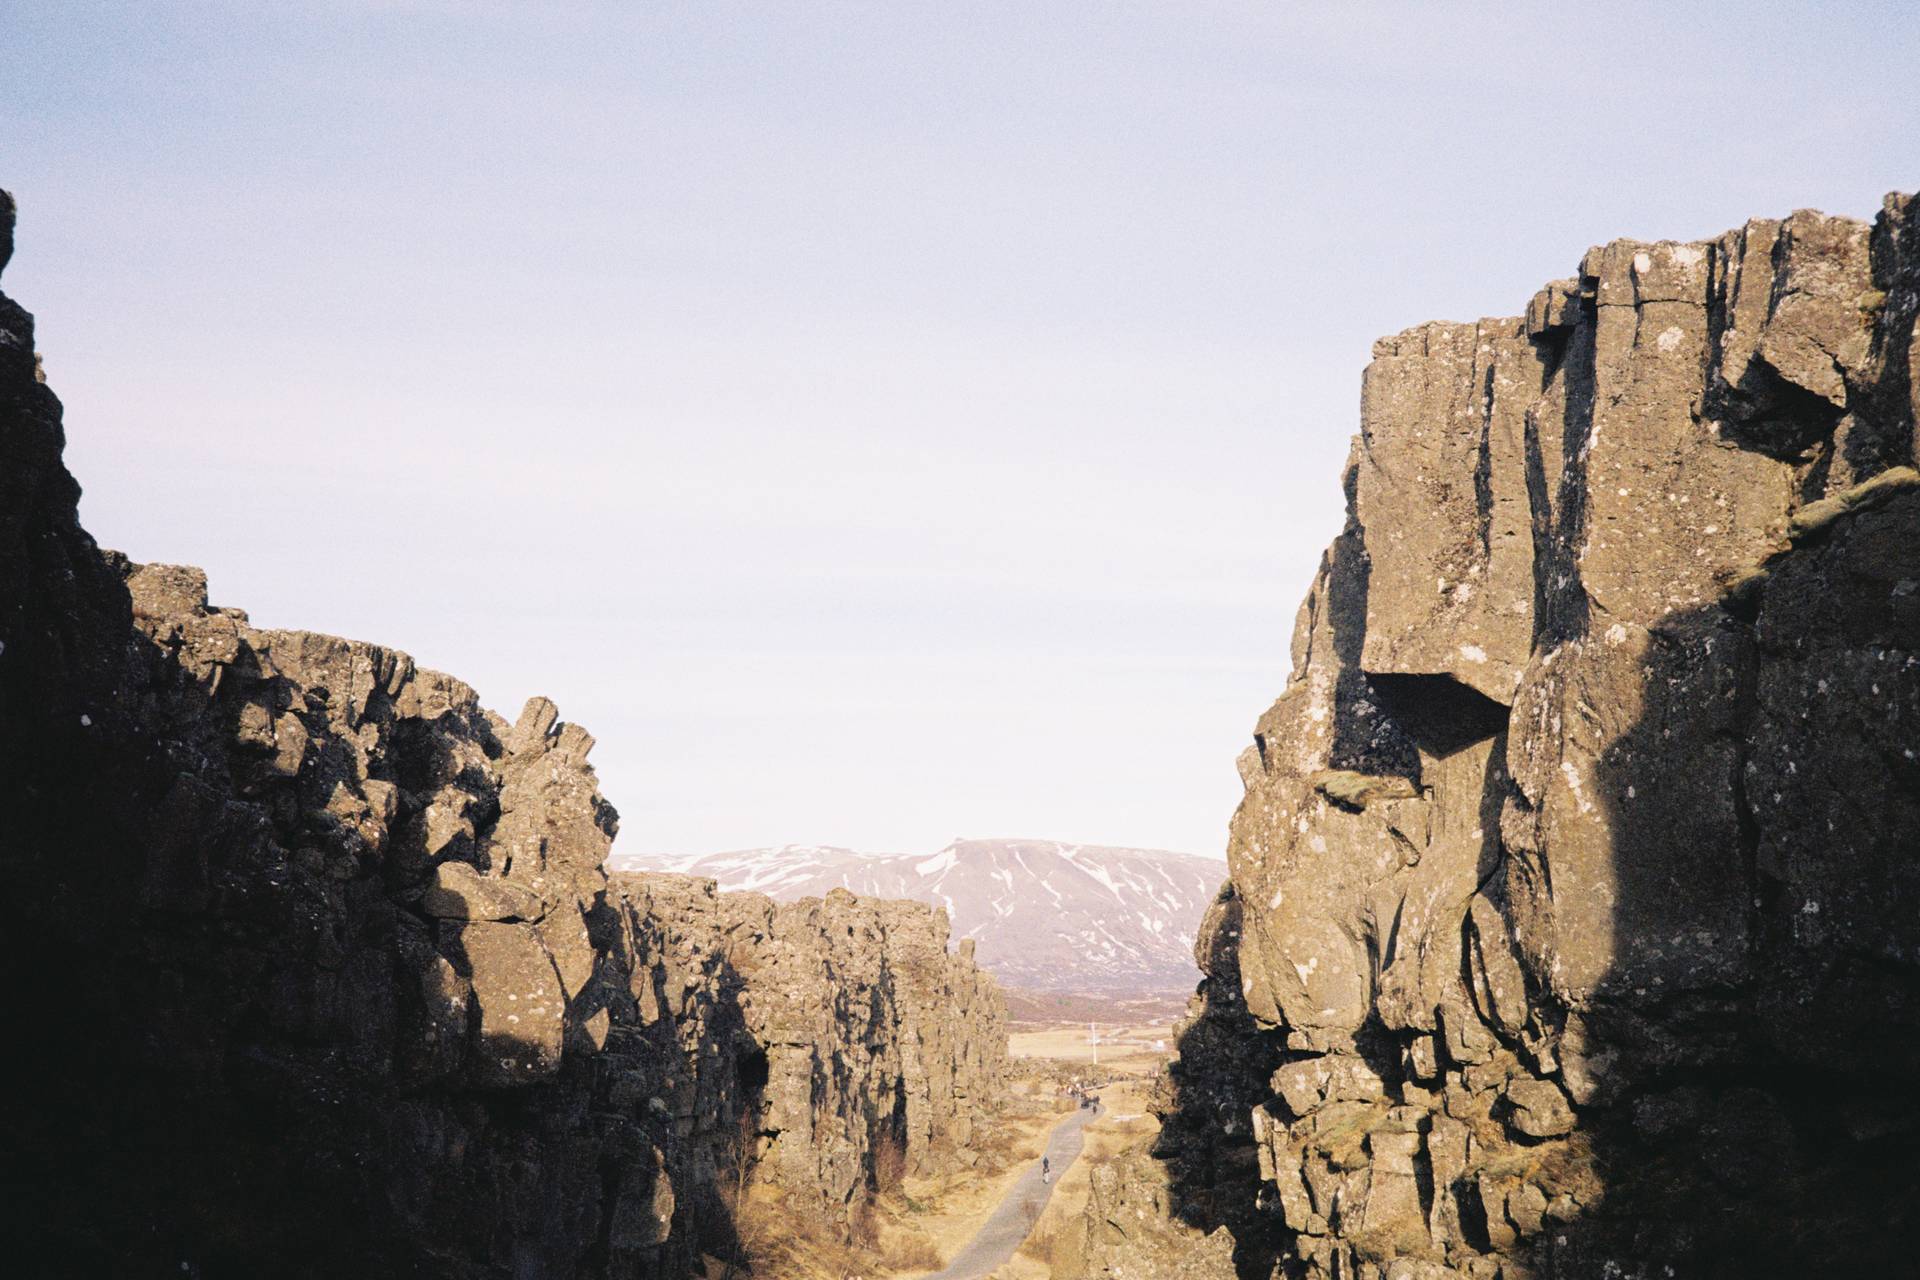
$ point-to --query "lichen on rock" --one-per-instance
(1624, 977)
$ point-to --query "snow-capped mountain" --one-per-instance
(1046, 916)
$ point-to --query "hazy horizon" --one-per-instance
(870, 422)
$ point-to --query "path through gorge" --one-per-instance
(1006, 1229)
(1572, 926)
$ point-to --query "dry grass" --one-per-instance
(1343, 1141)
(946, 1207)
(891, 1244)
(1041, 1243)
(889, 1165)
(1561, 1163)
(919, 1221)
(1870, 304)
(1126, 1123)
(784, 1243)
(913, 1255)
(779, 1240)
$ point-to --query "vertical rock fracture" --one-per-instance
(1574, 917)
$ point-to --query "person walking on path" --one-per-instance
(1012, 1219)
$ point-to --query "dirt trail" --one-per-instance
(1007, 1226)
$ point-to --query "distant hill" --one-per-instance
(1045, 916)
(1028, 1009)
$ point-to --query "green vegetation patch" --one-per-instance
(1743, 588)
(1358, 790)
(1815, 517)
(1340, 1132)
(1870, 305)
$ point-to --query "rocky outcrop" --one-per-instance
(1575, 898)
(861, 1048)
(321, 973)
(1191, 1205)
(1128, 1230)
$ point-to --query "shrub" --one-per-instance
(889, 1164)
(911, 1251)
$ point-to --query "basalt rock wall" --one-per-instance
(857, 1048)
(1574, 917)
(317, 970)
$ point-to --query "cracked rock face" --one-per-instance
(1574, 920)
(321, 974)
(859, 1048)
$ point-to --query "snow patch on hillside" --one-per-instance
(1046, 915)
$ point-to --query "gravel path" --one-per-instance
(1014, 1216)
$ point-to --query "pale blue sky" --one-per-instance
(877, 423)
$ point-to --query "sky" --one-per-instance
(876, 423)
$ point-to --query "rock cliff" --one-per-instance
(1574, 916)
(319, 971)
(860, 1046)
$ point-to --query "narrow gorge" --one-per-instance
(1573, 927)
(318, 972)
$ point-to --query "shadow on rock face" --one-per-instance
(341, 987)
(1587, 946)
(1216, 1082)
(318, 971)
(1733, 1059)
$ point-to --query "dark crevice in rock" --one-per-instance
(1483, 465)
(1439, 713)
(1671, 1007)
(1772, 415)
(1561, 602)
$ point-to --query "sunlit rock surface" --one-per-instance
(1574, 917)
